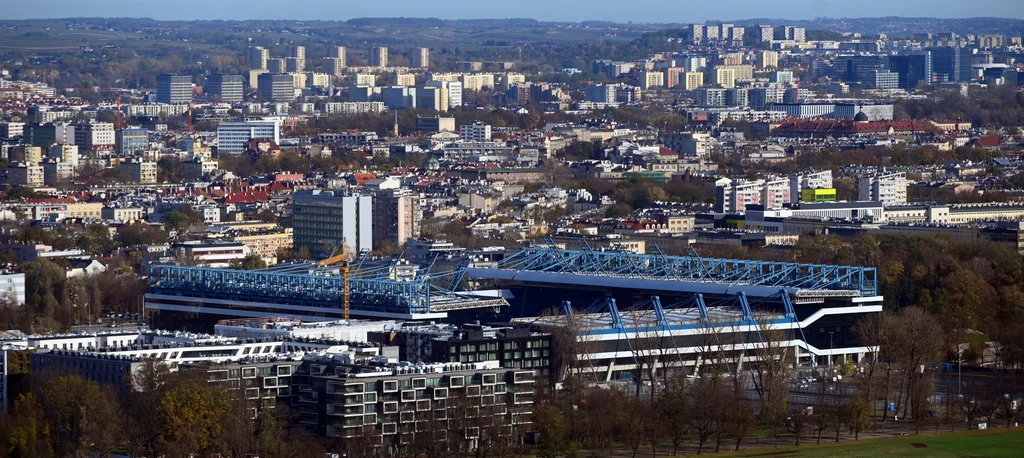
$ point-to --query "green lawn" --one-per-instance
(993, 443)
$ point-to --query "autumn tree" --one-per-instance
(192, 414)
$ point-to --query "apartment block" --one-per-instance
(322, 220)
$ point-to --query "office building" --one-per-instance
(882, 79)
(130, 140)
(420, 58)
(360, 94)
(256, 57)
(475, 132)
(231, 136)
(139, 171)
(324, 220)
(952, 63)
(226, 88)
(887, 188)
(435, 124)
(858, 68)
(396, 216)
(172, 89)
(914, 68)
(277, 87)
(379, 56)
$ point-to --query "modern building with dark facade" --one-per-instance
(276, 87)
(512, 348)
(952, 63)
(913, 68)
(387, 406)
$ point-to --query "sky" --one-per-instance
(664, 11)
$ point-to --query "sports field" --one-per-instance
(992, 443)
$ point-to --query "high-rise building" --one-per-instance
(9, 130)
(709, 97)
(651, 79)
(334, 66)
(432, 98)
(131, 140)
(858, 68)
(420, 58)
(276, 65)
(256, 57)
(95, 136)
(767, 59)
(340, 53)
(673, 77)
(396, 215)
(172, 88)
(227, 88)
(602, 93)
(454, 91)
(766, 33)
(693, 80)
(277, 87)
(405, 79)
(231, 136)
(887, 188)
(398, 97)
(952, 63)
(697, 33)
(323, 220)
(65, 153)
(298, 52)
(913, 68)
(723, 76)
(294, 65)
(379, 56)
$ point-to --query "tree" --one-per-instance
(25, 432)
(250, 262)
(192, 414)
(81, 417)
(547, 421)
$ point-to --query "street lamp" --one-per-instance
(831, 348)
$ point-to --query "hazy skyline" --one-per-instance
(562, 10)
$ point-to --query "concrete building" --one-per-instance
(454, 91)
(130, 140)
(65, 153)
(888, 188)
(475, 132)
(420, 57)
(435, 124)
(10, 130)
(276, 65)
(256, 57)
(54, 171)
(44, 135)
(277, 87)
(140, 171)
(398, 97)
(379, 56)
(396, 216)
(323, 220)
(231, 136)
(455, 405)
(767, 59)
(709, 97)
(651, 79)
(405, 79)
(23, 174)
(173, 89)
(95, 136)
(226, 88)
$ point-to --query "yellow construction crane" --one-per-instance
(345, 257)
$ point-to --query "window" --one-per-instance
(390, 386)
(248, 372)
(418, 383)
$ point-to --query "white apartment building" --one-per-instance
(887, 188)
(231, 136)
(454, 91)
(213, 254)
(475, 132)
(734, 195)
(815, 180)
(348, 108)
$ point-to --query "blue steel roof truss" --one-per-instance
(692, 268)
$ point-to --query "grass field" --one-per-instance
(992, 444)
